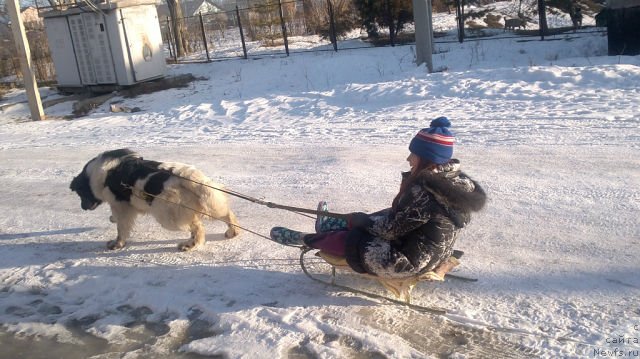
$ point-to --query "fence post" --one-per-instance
(169, 41)
(392, 31)
(244, 47)
(284, 28)
(542, 18)
(332, 27)
(204, 37)
(170, 38)
(460, 19)
(172, 41)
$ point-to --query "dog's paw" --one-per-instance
(231, 232)
(187, 246)
(115, 244)
(112, 219)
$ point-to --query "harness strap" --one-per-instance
(298, 210)
(141, 194)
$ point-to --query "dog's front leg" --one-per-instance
(124, 221)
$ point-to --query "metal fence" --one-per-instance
(275, 28)
(283, 27)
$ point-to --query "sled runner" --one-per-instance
(401, 288)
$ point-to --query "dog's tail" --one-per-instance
(213, 201)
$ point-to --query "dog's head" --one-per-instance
(82, 186)
(95, 171)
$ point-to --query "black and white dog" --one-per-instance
(173, 193)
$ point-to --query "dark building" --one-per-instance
(623, 27)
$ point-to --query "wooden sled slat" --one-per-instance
(400, 287)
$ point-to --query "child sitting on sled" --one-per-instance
(417, 233)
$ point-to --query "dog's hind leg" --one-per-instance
(197, 237)
(232, 223)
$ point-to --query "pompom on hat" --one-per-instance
(434, 143)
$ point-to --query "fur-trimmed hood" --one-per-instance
(453, 188)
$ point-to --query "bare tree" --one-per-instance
(177, 26)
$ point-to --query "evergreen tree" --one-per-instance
(393, 14)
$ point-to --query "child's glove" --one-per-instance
(359, 220)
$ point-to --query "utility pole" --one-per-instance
(24, 55)
(424, 33)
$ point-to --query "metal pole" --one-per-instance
(392, 32)
(172, 40)
(244, 47)
(24, 54)
(169, 40)
(424, 33)
(332, 27)
(204, 37)
(542, 18)
(284, 28)
(430, 32)
(460, 19)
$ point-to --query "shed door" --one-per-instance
(100, 48)
(144, 41)
(61, 47)
(83, 49)
(93, 51)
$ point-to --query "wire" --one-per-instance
(143, 195)
(298, 210)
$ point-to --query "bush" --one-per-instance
(316, 14)
(493, 21)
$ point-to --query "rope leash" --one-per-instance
(143, 195)
(298, 210)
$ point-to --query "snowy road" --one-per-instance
(547, 277)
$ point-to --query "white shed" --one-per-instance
(112, 43)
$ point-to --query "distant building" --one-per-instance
(119, 44)
(190, 8)
(623, 27)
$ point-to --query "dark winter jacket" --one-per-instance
(420, 232)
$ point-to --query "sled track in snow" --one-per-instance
(430, 333)
(441, 338)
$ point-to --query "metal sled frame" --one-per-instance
(400, 287)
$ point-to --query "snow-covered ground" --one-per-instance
(551, 130)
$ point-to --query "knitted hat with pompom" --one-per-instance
(434, 143)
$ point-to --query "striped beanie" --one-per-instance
(434, 143)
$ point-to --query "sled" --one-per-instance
(401, 288)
